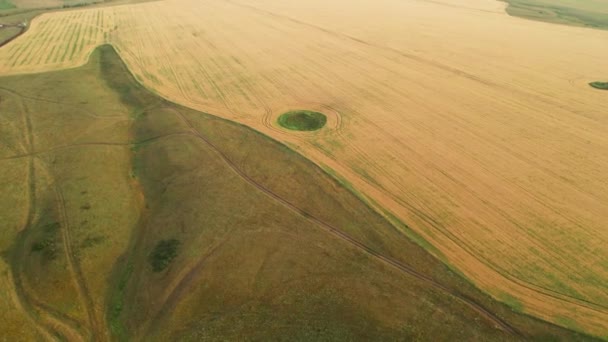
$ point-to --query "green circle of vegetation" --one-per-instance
(599, 85)
(302, 120)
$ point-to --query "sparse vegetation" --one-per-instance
(302, 120)
(92, 241)
(164, 252)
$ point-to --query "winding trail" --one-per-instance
(46, 322)
(74, 267)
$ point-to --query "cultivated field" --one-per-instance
(60, 43)
(489, 143)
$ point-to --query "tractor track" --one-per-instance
(101, 143)
(74, 267)
(44, 320)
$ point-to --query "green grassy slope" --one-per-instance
(128, 217)
(589, 13)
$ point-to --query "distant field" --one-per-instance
(588, 13)
(29, 9)
(51, 3)
(63, 42)
(124, 213)
(488, 143)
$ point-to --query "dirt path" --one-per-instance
(74, 267)
(47, 323)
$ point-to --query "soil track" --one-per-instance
(96, 328)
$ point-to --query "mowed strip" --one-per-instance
(488, 143)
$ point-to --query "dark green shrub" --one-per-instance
(164, 252)
(302, 120)
(599, 85)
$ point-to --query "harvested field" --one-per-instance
(59, 44)
(489, 143)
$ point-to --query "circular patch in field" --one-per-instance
(599, 85)
(302, 120)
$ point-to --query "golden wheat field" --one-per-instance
(476, 129)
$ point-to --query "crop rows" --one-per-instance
(55, 41)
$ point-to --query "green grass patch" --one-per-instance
(567, 322)
(302, 120)
(164, 252)
(511, 301)
(116, 303)
(593, 14)
(599, 85)
(6, 4)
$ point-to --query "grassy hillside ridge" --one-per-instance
(19, 12)
(254, 258)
